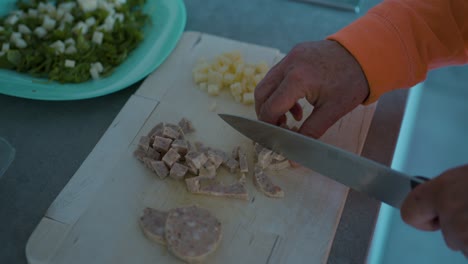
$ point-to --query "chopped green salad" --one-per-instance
(70, 41)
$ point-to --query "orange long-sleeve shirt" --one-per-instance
(399, 41)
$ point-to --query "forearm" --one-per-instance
(398, 42)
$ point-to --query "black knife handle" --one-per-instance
(415, 183)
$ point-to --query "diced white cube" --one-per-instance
(228, 78)
(40, 32)
(32, 12)
(21, 43)
(70, 63)
(88, 5)
(213, 89)
(109, 22)
(68, 18)
(24, 29)
(98, 37)
(70, 50)
(59, 14)
(59, 46)
(248, 98)
(6, 47)
(2, 29)
(91, 21)
(94, 73)
(70, 41)
(48, 23)
(81, 27)
(98, 66)
(12, 19)
(15, 36)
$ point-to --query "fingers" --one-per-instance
(296, 111)
(282, 100)
(322, 118)
(419, 208)
(268, 85)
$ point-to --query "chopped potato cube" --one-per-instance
(213, 89)
(215, 78)
(229, 78)
(248, 98)
(236, 89)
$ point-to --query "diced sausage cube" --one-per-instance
(153, 154)
(144, 142)
(192, 169)
(208, 170)
(186, 126)
(171, 157)
(160, 168)
(139, 153)
(215, 158)
(162, 144)
(232, 165)
(147, 161)
(264, 158)
(181, 146)
(156, 130)
(196, 159)
(178, 171)
(193, 184)
(235, 153)
(171, 133)
(178, 129)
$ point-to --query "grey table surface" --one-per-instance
(52, 139)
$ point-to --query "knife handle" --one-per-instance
(415, 183)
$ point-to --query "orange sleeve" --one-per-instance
(399, 41)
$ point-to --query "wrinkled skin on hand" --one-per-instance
(324, 73)
(441, 204)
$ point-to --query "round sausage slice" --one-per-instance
(192, 233)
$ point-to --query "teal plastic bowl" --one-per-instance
(161, 36)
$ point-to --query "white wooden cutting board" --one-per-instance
(95, 217)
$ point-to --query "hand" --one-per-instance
(324, 73)
(441, 203)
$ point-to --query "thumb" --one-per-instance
(419, 209)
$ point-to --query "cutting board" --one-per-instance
(95, 218)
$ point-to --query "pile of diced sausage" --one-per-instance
(166, 151)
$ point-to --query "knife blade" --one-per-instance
(361, 174)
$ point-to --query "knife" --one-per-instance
(361, 174)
